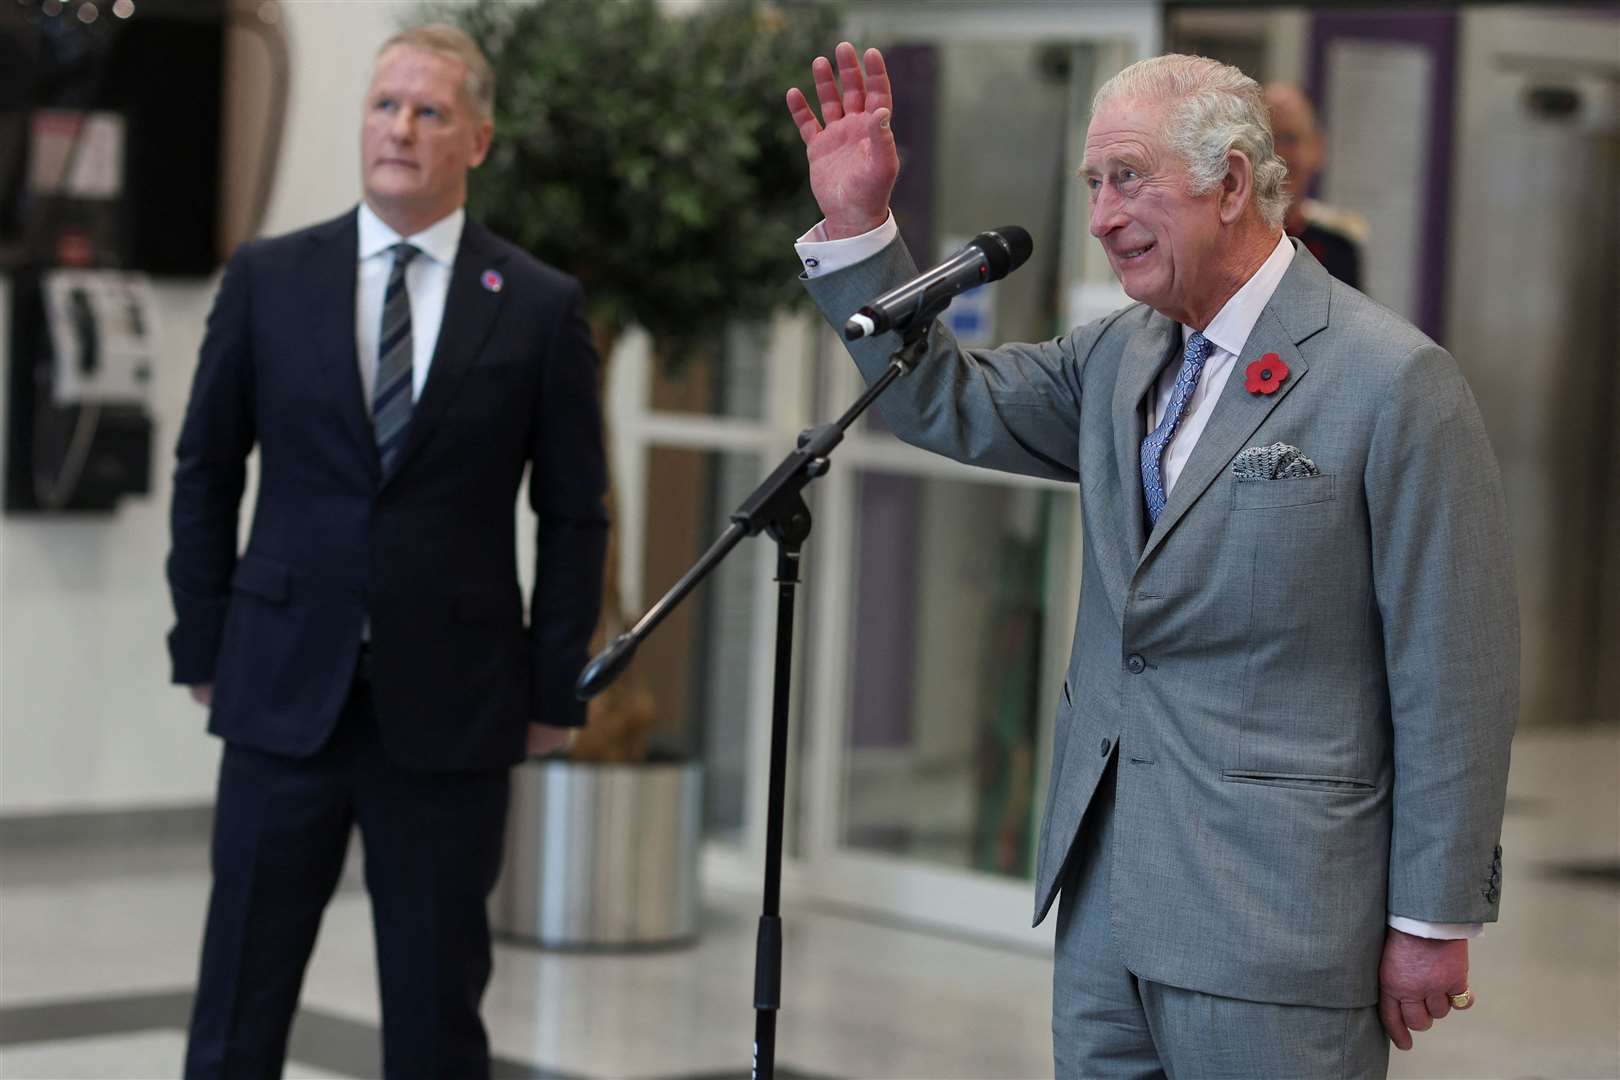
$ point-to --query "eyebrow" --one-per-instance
(1088, 167)
(415, 102)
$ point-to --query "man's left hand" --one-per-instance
(545, 739)
(1416, 981)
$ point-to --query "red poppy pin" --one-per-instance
(1266, 374)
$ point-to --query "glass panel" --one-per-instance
(954, 581)
(725, 380)
(698, 661)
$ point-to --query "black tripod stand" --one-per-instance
(776, 506)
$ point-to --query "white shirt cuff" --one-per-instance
(819, 255)
(1446, 931)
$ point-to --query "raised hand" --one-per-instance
(853, 161)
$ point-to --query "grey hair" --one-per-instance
(1211, 109)
(457, 44)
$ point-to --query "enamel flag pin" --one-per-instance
(493, 280)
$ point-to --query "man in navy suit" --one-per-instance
(365, 658)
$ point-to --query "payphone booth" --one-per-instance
(109, 178)
(83, 346)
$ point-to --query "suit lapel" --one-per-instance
(1145, 355)
(469, 314)
(1297, 310)
(329, 296)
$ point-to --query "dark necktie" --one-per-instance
(391, 396)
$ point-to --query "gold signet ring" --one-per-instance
(1462, 1000)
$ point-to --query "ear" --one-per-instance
(1237, 188)
(481, 141)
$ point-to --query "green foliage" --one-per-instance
(650, 152)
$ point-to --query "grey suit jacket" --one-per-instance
(1310, 684)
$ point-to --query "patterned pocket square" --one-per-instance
(1279, 461)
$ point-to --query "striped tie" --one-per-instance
(391, 396)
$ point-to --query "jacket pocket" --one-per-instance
(260, 577)
(1270, 494)
(1330, 785)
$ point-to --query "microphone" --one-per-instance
(990, 256)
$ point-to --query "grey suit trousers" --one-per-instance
(1107, 1023)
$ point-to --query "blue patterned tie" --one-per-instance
(391, 396)
(1192, 365)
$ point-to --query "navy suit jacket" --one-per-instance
(428, 552)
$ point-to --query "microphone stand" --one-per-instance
(776, 507)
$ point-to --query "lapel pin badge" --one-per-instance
(493, 281)
(1265, 374)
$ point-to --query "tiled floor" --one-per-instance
(98, 947)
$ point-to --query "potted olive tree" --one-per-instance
(647, 151)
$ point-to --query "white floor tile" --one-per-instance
(149, 1056)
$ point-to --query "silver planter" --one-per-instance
(601, 855)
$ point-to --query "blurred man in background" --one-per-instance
(365, 658)
(1334, 236)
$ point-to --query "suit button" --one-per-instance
(1136, 664)
(1106, 746)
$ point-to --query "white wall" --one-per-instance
(87, 716)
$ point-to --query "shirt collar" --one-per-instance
(438, 241)
(1230, 328)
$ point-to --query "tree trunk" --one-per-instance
(621, 717)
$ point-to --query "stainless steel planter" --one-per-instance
(601, 855)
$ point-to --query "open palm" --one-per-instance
(853, 161)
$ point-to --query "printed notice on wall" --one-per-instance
(1378, 156)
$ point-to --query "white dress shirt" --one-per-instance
(1227, 332)
(427, 279)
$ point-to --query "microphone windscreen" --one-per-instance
(1005, 249)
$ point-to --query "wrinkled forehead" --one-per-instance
(1125, 133)
(406, 68)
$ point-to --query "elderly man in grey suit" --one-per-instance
(1280, 761)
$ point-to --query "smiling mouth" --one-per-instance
(1134, 253)
(402, 163)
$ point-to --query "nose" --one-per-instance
(403, 124)
(1107, 211)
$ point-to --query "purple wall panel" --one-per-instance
(913, 75)
(885, 611)
(1434, 29)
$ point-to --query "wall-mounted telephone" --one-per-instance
(79, 433)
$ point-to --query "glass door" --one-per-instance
(937, 609)
(945, 595)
